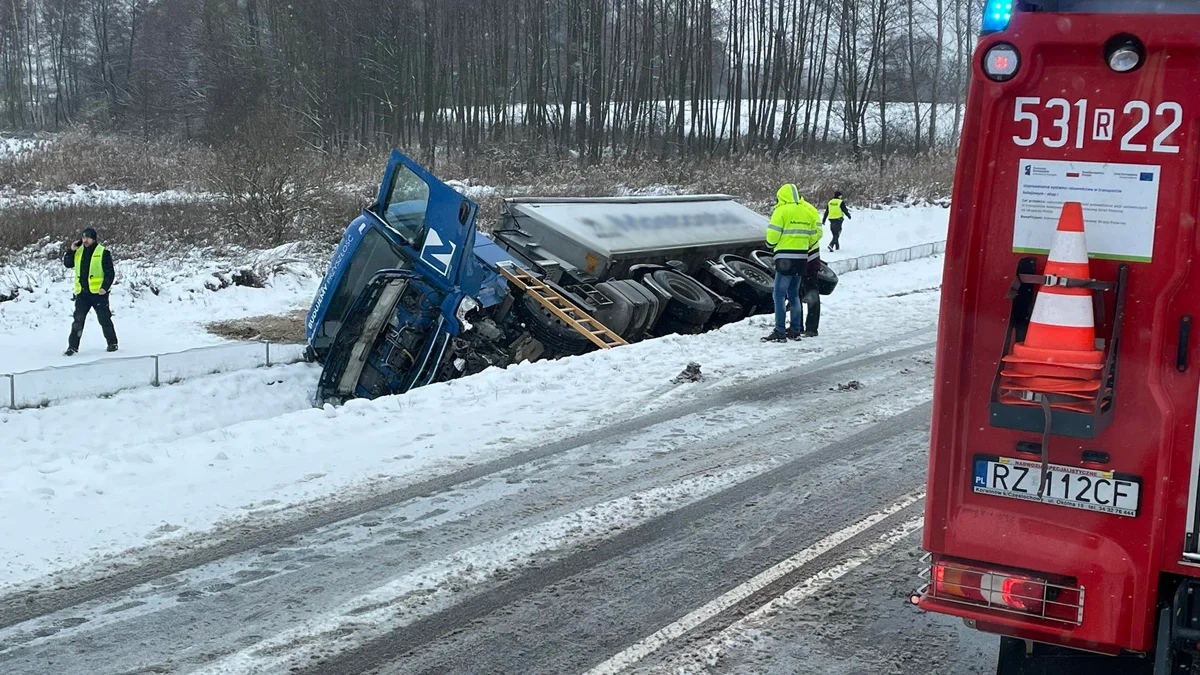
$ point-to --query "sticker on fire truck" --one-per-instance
(1120, 204)
(1102, 491)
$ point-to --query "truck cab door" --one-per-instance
(435, 220)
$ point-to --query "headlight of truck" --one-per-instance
(465, 307)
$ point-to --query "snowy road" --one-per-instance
(641, 546)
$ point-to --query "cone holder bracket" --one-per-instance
(1064, 422)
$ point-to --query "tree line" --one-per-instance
(585, 78)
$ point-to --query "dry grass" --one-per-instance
(281, 328)
(80, 157)
(336, 187)
(752, 179)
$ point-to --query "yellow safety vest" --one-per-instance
(95, 270)
(835, 208)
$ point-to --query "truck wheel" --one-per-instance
(765, 260)
(549, 329)
(755, 277)
(689, 303)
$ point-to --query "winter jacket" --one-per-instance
(795, 230)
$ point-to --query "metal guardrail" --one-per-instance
(874, 260)
(105, 377)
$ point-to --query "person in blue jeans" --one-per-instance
(787, 290)
(794, 237)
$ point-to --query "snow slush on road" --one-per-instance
(415, 294)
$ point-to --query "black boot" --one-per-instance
(112, 347)
(775, 336)
(71, 351)
(793, 334)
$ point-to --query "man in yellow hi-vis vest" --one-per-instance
(93, 276)
(834, 212)
(794, 237)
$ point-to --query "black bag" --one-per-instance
(827, 279)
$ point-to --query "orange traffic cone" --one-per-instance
(1059, 354)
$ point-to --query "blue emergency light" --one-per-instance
(997, 15)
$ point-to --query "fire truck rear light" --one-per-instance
(1005, 591)
(1001, 62)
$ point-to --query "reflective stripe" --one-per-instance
(1068, 247)
(796, 230)
(792, 256)
(795, 193)
(775, 228)
(1071, 311)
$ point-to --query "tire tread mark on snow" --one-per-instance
(430, 629)
(25, 606)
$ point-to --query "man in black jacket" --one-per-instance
(93, 277)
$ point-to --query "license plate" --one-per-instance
(1102, 491)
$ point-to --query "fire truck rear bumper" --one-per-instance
(1010, 625)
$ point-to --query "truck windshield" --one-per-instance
(374, 253)
(407, 200)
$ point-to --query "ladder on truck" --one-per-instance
(561, 307)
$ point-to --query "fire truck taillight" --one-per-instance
(1005, 591)
(1001, 62)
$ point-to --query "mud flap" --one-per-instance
(1018, 657)
(1164, 656)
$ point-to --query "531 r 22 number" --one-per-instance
(1071, 122)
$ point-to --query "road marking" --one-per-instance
(440, 584)
(710, 652)
(665, 635)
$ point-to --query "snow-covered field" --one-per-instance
(79, 195)
(720, 114)
(181, 460)
(157, 307)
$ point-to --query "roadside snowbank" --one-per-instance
(157, 306)
(884, 229)
(68, 503)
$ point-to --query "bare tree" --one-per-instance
(597, 79)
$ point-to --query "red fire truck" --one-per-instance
(1071, 530)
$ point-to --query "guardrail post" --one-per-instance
(268, 353)
(12, 392)
(156, 383)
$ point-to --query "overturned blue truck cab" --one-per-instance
(415, 294)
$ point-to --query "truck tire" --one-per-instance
(549, 329)
(764, 260)
(690, 302)
(756, 277)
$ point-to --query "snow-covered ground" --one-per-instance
(160, 308)
(901, 118)
(78, 195)
(157, 307)
(181, 460)
(880, 230)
